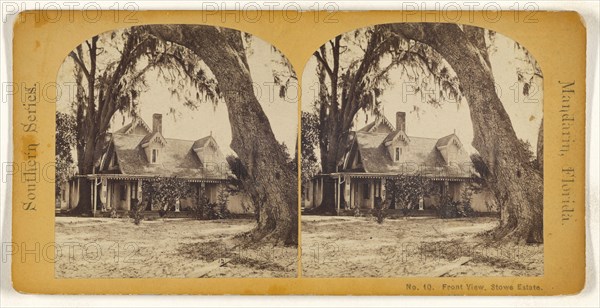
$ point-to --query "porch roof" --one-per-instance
(131, 177)
(365, 175)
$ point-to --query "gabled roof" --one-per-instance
(391, 136)
(176, 159)
(200, 143)
(444, 141)
(130, 128)
(381, 123)
(422, 155)
(151, 136)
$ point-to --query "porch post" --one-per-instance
(372, 193)
(109, 192)
(350, 193)
(93, 183)
(128, 197)
(338, 194)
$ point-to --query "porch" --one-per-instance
(365, 191)
(118, 192)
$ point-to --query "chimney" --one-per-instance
(401, 121)
(157, 123)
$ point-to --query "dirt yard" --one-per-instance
(430, 247)
(116, 248)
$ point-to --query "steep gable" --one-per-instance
(380, 125)
(137, 127)
(451, 149)
(207, 151)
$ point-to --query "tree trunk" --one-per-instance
(330, 137)
(516, 182)
(86, 127)
(252, 138)
(84, 206)
(540, 148)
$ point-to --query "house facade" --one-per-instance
(137, 153)
(382, 151)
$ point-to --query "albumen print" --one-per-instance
(422, 154)
(175, 156)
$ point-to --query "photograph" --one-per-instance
(422, 154)
(176, 156)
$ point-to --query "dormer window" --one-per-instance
(154, 156)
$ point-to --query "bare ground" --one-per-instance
(360, 247)
(116, 248)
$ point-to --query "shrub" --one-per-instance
(357, 212)
(223, 202)
(113, 212)
(454, 209)
(136, 212)
(162, 212)
(380, 211)
(449, 209)
(203, 209)
(200, 207)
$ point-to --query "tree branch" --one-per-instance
(323, 62)
(80, 64)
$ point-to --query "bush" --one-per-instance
(113, 212)
(455, 209)
(357, 212)
(449, 209)
(136, 212)
(199, 208)
(203, 209)
(380, 211)
(162, 212)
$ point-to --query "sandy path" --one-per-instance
(115, 248)
(359, 247)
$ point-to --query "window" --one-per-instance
(123, 193)
(377, 189)
(398, 152)
(154, 156)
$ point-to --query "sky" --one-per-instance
(525, 113)
(189, 124)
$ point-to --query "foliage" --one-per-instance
(201, 206)
(113, 212)
(292, 164)
(448, 208)
(380, 211)
(203, 209)
(309, 143)
(65, 141)
(480, 167)
(223, 201)
(357, 212)
(529, 155)
(405, 191)
(165, 192)
(136, 211)
(242, 182)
